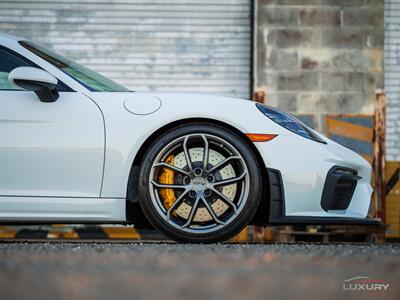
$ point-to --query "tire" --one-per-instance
(226, 193)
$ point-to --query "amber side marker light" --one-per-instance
(260, 137)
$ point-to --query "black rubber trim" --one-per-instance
(135, 215)
(305, 220)
(45, 92)
(133, 185)
(332, 178)
(276, 194)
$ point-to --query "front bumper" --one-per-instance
(304, 166)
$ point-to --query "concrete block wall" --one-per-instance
(319, 56)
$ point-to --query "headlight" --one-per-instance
(289, 122)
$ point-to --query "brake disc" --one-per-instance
(219, 207)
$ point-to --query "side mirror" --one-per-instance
(36, 80)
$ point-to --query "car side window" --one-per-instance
(9, 62)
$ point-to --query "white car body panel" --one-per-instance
(29, 73)
(126, 132)
(309, 163)
(94, 137)
(51, 149)
(303, 184)
(50, 209)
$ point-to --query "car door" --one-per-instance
(48, 149)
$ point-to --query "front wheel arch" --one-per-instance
(261, 216)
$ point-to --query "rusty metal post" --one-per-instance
(259, 96)
(379, 161)
(258, 233)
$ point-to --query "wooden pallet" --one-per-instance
(289, 235)
(329, 234)
(370, 233)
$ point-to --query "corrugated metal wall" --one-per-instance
(392, 77)
(177, 45)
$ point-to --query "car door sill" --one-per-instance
(60, 209)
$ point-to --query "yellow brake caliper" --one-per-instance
(167, 177)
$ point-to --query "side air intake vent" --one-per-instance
(276, 194)
(339, 188)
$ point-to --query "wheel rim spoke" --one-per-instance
(205, 153)
(223, 163)
(163, 164)
(168, 186)
(190, 179)
(187, 154)
(211, 211)
(225, 199)
(192, 213)
(230, 180)
(177, 201)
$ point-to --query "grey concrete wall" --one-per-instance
(320, 56)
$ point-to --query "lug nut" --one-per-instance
(186, 180)
(198, 171)
(192, 194)
(210, 178)
(207, 193)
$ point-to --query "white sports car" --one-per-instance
(76, 147)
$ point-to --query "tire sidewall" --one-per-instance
(245, 215)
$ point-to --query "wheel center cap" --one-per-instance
(199, 183)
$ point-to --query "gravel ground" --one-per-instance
(150, 271)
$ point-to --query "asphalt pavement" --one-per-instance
(150, 271)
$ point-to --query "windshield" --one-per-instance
(90, 79)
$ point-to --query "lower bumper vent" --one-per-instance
(339, 188)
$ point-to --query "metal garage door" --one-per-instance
(392, 77)
(177, 45)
